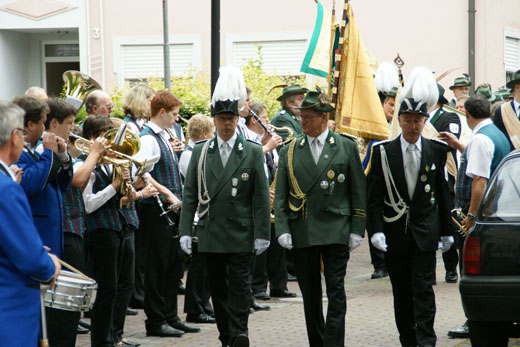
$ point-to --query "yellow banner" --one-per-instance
(358, 108)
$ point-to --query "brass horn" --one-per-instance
(78, 86)
(457, 216)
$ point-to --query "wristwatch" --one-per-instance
(470, 216)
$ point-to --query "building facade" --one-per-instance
(117, 41)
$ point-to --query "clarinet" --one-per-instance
(164, 213)
(266, 128)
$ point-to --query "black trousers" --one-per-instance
(62, 325)
(451, 259)
(163, 261)
(137, 300)
(411, 276)
(112, 256)
(230, 292)
(198, 292)
(308, 271)
(270, 267)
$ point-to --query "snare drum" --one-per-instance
(71, 292)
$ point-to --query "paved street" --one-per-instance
(369, 321)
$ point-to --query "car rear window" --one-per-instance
(501, 201)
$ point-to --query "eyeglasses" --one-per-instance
(22, 131)
(309, 117)
(108, 107)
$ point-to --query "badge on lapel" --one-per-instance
(341, 178)
(324, 184)
(234, 181)
(240, 147)
(424, 178)
(302, 142)
(330, 174)
(331, 140)
(245, 176)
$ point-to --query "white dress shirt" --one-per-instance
(516, 105)
(321, 140)
(230, 142)
(149, 146)
(404, 146)
(479, 153)
(94, 201)
(184, 160)
(9, 171)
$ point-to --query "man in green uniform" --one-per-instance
(227, 177)
(460, 87)
(291, 98)
(320, 214)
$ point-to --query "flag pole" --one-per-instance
(332, 33)
(337, 58)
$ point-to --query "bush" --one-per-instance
(193, 89)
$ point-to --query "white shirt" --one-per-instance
(94, 201)
(141, 122)
(184, 160)
(479, 153)
(9, 171)
(321, 140)
(149, 146)
(230, 142)
(404, 145)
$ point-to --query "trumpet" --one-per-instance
(457, 216)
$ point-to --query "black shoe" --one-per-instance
(257, 307)
(282, 294)
(291, 277)
(180, 325)
(241, 341)
(131, 312)
(164, 331)
(379, 273)
(460, 333)
(262, 296)
(125, 342)
(199, 318)
(84, 324)
(451, 277)
(82, 330)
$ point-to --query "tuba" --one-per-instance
(77, 86)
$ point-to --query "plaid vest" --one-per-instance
(166, 170)
(110, 216)
(73, 212)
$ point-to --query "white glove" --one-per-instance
(447, 242)
(285, 240)
(185, 242)
(355, 241)
(379, 241)
(261, 245)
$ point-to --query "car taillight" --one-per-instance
(471, 255)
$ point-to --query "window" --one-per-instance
(511, 55)
(143, 61)
(503, 194)
(279, 57)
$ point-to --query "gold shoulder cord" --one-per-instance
(298, 194)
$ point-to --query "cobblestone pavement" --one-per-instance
(369, 320)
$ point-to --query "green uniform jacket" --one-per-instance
(285, 118)
(335, 193)
(239, 209)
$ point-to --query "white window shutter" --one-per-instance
(278, 57)
(143, 61)
(512, 54)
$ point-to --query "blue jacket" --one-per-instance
(44, 180)
(22, 257)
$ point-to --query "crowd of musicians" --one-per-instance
(253, 203)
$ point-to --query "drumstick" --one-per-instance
(70, 267)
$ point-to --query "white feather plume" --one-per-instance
(230, 86)
(421, 86)
(386, 77)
